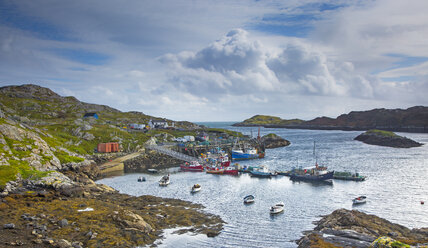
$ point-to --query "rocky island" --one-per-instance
(386, 138)
(352, 228)
(273, 141)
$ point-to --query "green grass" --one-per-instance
(381, 133)
(10, 172)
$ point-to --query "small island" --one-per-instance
(386, 138)
(274, 141)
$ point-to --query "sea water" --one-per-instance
(396, 183)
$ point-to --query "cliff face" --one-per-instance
(414, 119)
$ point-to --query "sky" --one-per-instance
(223, 60)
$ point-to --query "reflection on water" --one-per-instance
(395, 186)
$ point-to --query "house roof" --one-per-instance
(89, 114)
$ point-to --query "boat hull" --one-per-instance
(260, 174)
(243, 156)
(217, 172)
(307, 177)
(192, 168)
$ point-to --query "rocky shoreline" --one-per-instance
(274, 141)
(69, 209)
(352, 228)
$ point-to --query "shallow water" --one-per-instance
(396, 183)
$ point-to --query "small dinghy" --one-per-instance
(278, 208)
(195, 188)
(249, 199)
(164, 181)
(359, 200)
(141, 179)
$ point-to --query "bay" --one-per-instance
(396, 183)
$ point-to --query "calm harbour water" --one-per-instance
(397, 182)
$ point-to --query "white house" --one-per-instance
(158, 123)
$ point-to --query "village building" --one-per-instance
(91, 115)
(159, 123)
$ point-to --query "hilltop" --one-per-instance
(414, 119)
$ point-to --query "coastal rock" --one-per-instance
(351, 228)
(385, 138)
(273, 141)
(150, 159)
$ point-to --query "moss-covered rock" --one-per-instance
(273, 141)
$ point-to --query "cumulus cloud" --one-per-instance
(237, 65)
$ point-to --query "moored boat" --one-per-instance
(345, 175)
(277, 208)
(192, 166)
(249, 199)
(312, 175)
(141, 179)
(164, 181)
(359, 200)
(231, 170)
(215, 171)
(261, 172)
(196, 188)
(154, 171)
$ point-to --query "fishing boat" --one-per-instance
(261, 172)
(316, 173)
(192, 166)
(249, 199)
(231, 170)
(359, 200)
(164, 181)
(277, 208)
(141, 179)
(345, 175)
(311, 174)
(244, 153)
(153, 171)
(196, 188)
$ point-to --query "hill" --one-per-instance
(414, 119)
(267, 120)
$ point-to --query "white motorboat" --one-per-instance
(196, 188)
(164, 181)
(359, 200)
(249, 199)
(278, 208)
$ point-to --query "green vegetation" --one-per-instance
(269, 120)
(10, 172)
(381, 133)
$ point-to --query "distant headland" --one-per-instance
(414, 119)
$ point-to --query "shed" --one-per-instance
(89, 115)
(108, 147)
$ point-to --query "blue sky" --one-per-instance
(221, 60)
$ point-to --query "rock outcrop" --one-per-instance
(384, 138)
(150, 160)
(273, 141)
(351, 228)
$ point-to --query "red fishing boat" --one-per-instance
(231, 170)
(192, 166)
